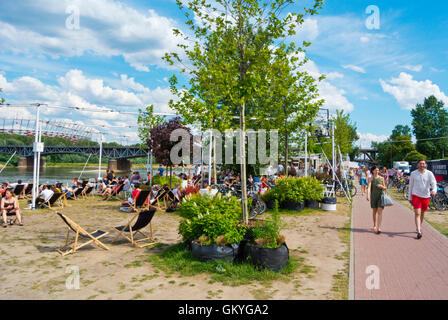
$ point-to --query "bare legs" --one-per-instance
(377, 215)
(18, 216)
(419, 216)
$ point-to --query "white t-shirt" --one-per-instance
(47, 194)
(421, 184)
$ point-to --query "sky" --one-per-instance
(380, 58)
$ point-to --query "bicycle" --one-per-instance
(348, 188)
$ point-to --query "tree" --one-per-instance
(414, 156)
(430, 122)
(397, 147)
(232, 60)
(161, 144)
(1, 99)
(344, 134)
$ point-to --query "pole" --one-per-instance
(202, 161)
(84, 166)
(210, 159)
(8, 161)
(150, 167)
(333, 152)
(101, 153)
(306, 153)
(36, 140)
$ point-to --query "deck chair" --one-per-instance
(76, 194)
(86, 192)
(115, 193)
(79, 231)
(28, 191)
(198, 179)
(19, 190)
(143, 219)
(160, 201)
(53, 200)
(141, 201)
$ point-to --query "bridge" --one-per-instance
(118, 156)
(367, 156)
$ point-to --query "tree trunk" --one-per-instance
(243, 164)
(214, 161)
(171, 174)
(286, 154)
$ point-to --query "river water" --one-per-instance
(50, 175)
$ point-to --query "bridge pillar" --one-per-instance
(119, 164)
(28, 162)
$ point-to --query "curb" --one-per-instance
(351, 272)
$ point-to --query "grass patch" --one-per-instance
(340, 285)
(177, 259)
(441, 227)
(304, 212)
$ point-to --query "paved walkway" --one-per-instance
(408, 268)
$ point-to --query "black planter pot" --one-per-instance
(313, 204)
(292, 205)
(270, 204)
(271, 259)
(214, 252)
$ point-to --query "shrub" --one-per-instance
(289, 189)
(268, 236)
(212, 220)
(163, 180)
(312, 189)
(191, 189)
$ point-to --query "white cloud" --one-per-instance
(308, 30)
(107, 28)
(334, 75)
(416, 68)
(366, 139)
(354, 68)
(364, 39)
(408, 92)
(74, 89)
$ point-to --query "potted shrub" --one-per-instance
(269, 198)
(290, 193)
(267, 247)
(312, 192)
(212, 227)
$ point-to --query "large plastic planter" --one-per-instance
(272, 259)
(214, 252)
(329, 204)
(312, 204)
(293, 206)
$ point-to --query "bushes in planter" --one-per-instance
(211, 221)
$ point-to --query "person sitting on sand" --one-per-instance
(10, 205)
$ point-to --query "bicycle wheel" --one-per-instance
(258, 207)
(406, 192)
(439, 202)
(353, 191)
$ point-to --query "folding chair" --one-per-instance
(143, 219)
(86, 192)
(76, 194)
(53, 200)
(28, 191)
(198, 179)
(160, 199)
(79, 231)
(141, 201)
(19, 190)
(114, 193)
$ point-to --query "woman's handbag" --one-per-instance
(386, 200)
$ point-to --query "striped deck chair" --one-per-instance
(80, 232)
(143, 219)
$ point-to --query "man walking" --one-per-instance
(422, 184)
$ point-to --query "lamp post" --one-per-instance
(101, 153)
(38, 148)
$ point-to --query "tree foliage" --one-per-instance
(430, 121)
(398, 146)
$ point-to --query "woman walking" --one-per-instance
(374, 191)
(363, 179)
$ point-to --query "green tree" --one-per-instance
(1, 99)
(413, 156)
(396, 148)
(233, 60)
(345, 134)
(430, 122)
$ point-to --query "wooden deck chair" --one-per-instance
(160, 201)
(76, 194)
(115, 193)
(86, 192)
(141, 201)
(19, 190)
(79, 231)
(57, 196)
(28, 192)
(198, 179)
(143, 219)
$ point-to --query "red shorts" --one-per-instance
(420, 203)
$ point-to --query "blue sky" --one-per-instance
(112, 62)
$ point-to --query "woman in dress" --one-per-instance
(363, 180)
(10, 205)
(374, 191)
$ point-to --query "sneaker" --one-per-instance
(419, 235)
